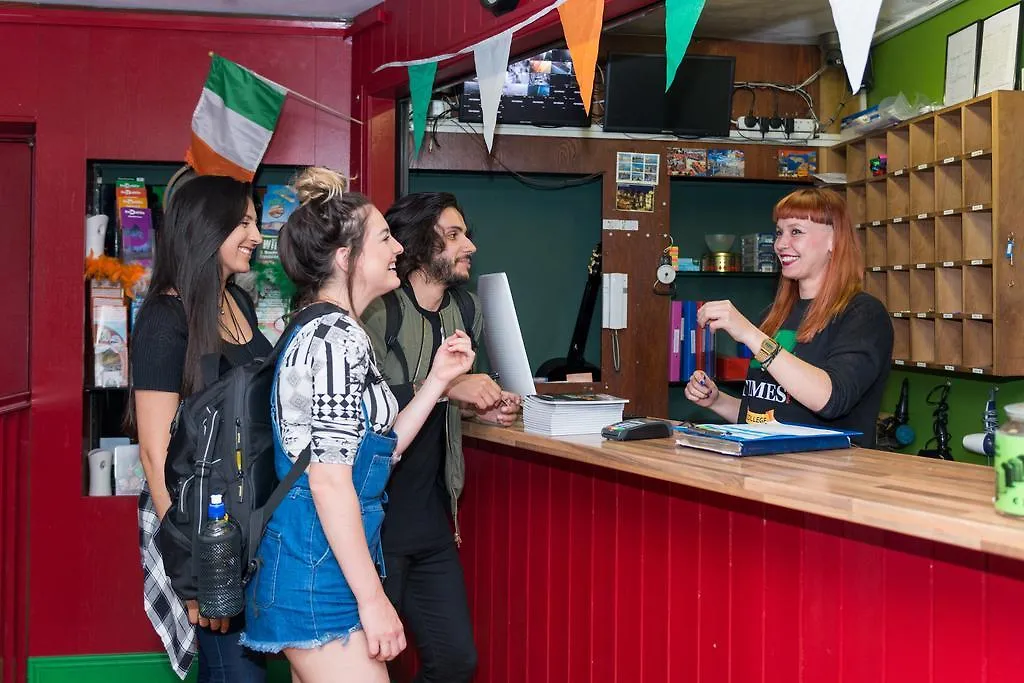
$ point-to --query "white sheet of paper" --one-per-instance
(961, 65)
(763, 429)
(997, 66)
(491, 58)
(855, 21)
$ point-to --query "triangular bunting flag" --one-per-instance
(680, 18)
(421, 84)
(581, 22)
(491, 57)
(855, 21)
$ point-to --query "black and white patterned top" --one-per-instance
(326, 373)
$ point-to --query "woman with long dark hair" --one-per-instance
(822, 353)
(192, 309)
(317, 594)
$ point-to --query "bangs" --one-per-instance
(811, 205)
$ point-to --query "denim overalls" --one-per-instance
(299, 596)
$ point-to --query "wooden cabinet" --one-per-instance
(935, 227)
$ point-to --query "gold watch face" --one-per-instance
(768, 347)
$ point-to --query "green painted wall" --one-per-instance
(542, 239)
(966, 400)
(915, 60)
(127, 668)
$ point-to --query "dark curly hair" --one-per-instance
(413, 220)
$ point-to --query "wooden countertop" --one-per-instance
(942, 501)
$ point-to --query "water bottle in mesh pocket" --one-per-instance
(220, 564)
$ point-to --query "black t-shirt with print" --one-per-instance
(855, 349)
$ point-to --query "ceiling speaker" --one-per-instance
(497, 7)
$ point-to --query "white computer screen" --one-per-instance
(504, 339)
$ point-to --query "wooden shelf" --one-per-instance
(936, 315)
(908, 364)
(733, 274)
(933, 233)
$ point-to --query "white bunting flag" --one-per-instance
(855, 21)
(491, 57)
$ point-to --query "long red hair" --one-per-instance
(844, 275)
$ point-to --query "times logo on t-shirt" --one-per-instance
(767, 391)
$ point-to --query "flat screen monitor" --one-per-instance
(699, 103)
(504, 339)
(540, 90)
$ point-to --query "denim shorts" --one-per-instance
(299, 597)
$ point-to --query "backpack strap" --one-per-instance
(467, 309)
(259, 517)
(392, 325)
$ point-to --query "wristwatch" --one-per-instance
(769, 349)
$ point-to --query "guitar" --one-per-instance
(556, 369)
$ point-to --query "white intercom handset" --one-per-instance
(614, 296)
(614, 288)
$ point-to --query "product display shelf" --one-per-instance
(934, 225)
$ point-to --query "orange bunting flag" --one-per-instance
(581, 22)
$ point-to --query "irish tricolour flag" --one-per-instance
(234, 121)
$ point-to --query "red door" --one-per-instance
(15, 285)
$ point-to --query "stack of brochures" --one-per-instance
(565, 414)
(761, 439)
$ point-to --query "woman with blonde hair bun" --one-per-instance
(317, 594)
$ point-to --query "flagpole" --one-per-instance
(302, 98)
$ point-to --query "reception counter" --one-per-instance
(590, 560)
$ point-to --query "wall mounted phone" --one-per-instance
(614, 290)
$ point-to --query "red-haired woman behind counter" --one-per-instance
(822, 353)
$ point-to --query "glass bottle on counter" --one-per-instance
(1009, 463)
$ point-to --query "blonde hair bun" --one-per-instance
(319, 184)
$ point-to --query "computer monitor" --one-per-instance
(699, 103)
(540, 90)
(504, 339)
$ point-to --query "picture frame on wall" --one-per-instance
(999, 52)
(962, 49)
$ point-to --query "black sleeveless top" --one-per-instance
(160, 335)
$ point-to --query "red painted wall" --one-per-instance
(14, 447)
(398, 30)
(576, 573)
(15, 236)
(109, 85)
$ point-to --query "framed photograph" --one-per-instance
(962, 49)
(1000, 45)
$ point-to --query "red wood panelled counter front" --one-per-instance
(580, 573)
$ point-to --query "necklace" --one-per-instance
(237, 335)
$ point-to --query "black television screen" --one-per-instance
(541, 90)
(699, 103)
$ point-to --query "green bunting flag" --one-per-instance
(421, 84)
(680, 18)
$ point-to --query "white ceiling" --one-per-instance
(325, 10)
(789, 21)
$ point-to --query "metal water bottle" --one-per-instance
(220, 563)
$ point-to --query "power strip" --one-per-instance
(803, 129)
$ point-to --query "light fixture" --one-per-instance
(497, 7)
